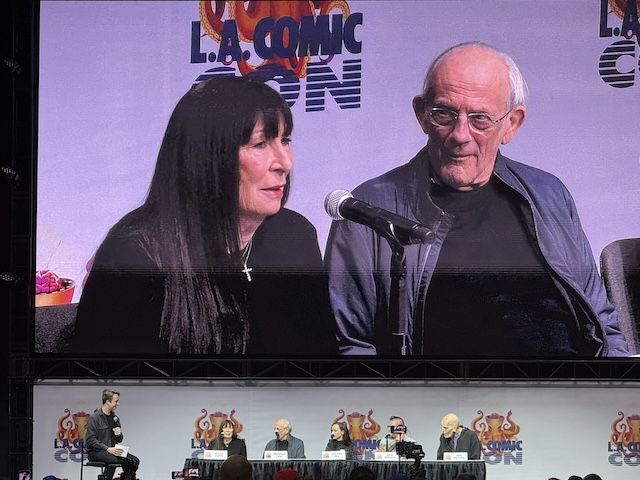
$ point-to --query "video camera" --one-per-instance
(397, 429)
(409, 450)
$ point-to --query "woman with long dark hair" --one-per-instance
(228, 440)
(340, 440)
(212, 263)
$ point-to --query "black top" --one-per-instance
(491, 292)
(98, 434)
(335, 445)
(287, 297)
(235, 447)
(467, 441)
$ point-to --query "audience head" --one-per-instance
(592, 476)
(362, 473)
(287, 474)
(283, 428)
(236, 467)
(450, 423)
(465, 476)
(575, 477)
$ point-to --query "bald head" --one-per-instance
(450, 423)
(470, 105)
(282, 428)
(236, 467)
(483, 56)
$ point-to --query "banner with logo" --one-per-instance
(111, 73)
(529, 432)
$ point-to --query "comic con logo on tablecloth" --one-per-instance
(207, 427)
(619, 64)
(363, 431)
(69, 442)
(500, 443)
(624, 441)
(307, 49)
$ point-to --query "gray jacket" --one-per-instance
(295, 447)
(359, 260)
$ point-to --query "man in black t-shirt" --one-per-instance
(509, 272)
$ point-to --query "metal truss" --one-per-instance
(326, 370)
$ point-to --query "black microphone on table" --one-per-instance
(341, 205)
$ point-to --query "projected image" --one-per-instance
(235, 183)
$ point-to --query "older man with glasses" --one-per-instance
(285, 441)
(510, 271)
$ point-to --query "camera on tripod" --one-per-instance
(409, 450)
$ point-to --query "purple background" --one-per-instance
(111, 73)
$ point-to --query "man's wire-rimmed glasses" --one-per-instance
(444, 117)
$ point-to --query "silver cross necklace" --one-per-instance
(245, 258)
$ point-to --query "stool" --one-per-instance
(100, 465)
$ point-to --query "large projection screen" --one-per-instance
(112, 72)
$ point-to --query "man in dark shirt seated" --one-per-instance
(456, 438)
(285, 441)
(509, 273)
(102, 437)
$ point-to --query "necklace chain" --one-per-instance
(245, 258)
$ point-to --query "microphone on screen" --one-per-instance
(341, 205)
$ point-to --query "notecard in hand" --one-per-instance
(124, 448)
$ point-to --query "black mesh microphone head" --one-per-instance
(333, 201)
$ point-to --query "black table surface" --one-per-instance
(340, 469)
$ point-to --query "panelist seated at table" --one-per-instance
(340, 440)
(228, 440)
(396, 432)
(456, 438)
(285, 441)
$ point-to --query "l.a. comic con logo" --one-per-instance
(619, 63)
(207, 427)
(499, 438)
(363, 431)
(624, 442)
(68, 444)
(297, 44)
